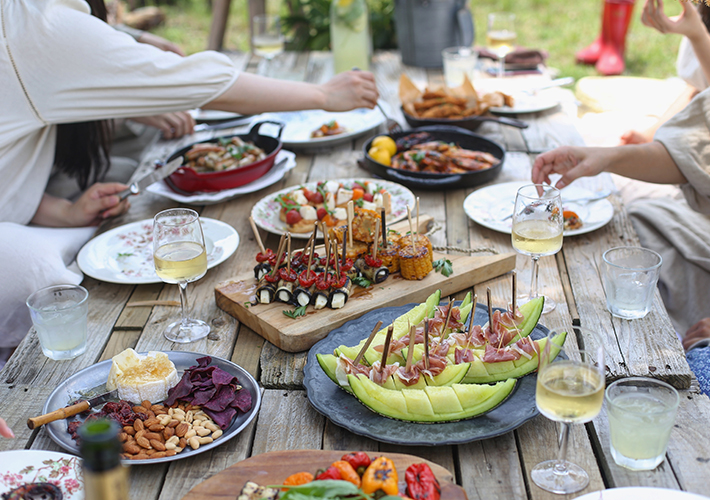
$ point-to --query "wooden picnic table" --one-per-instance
(497, 468)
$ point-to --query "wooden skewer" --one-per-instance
(256, 235)
(377, 239)
(278, 255)
(386, 348)
(410, 352)
(448, 317)
(515, 291)
(345, 249)
(417, 215)
(384, 228)
(351, 215)
(426, 343)
(288, 255)
(470, 324)
(359, 356)
(411, 229)
(312, 250)
(336, 259)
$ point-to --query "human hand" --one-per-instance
(571, 162)
(687, 23)
(97, 203)
(160, 42)
(5, 430)
(699, 331)
(634, 137)
(350, 90)
(172, 125)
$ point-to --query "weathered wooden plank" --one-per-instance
(281, 369)
(490, 469)
(338, 438)
(135, 318)
(18, 402)
(441, 455)
(287, 422)
(247, 350)
(119, 341)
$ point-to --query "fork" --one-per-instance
(393, 126)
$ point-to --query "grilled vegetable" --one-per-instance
(340, 291)
(347, 473)
(380, 475)
(422, 483)
(252, 491)
(414, 263)
(372, 269)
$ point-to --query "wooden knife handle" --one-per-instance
(69, 411)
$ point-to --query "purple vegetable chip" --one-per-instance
(222, 418)
(242, 400)
(220, 377)
(221, 400)
(201, 397)
(180, 391)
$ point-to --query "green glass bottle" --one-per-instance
(104, 476)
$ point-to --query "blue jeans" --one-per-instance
(699, 361)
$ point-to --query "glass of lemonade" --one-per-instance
(570, 390)
(537, 229)
(501, 36)
(641, 415)
(267, 39)
(630, 275)
(458, 61)
(180, 257)
(59, 316)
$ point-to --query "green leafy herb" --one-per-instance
(362, 185)
(444, 267)
(223, 141)
(247, 304)
(287, 203)
(299, 311)
(361, 281)
(323, 489)
(360, 202)
(124, 254)
(419, 156)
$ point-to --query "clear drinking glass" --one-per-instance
(267, 39)
(630, 275)
(641, 416)
(537, 229)
(568, 391)
(180, 257)
(458, 61)
(501, 36)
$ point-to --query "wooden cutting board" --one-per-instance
(273, 467)
(294, 335)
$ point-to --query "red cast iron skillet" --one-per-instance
(185, 179)
(469, 123)
(434, 181)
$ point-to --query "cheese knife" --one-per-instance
(156, 175)
(72, 410)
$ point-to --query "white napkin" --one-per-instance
(199, 198)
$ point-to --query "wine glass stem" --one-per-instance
(561, 465)
(533, 280)
(501, 66)
(183, 303)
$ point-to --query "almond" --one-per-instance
(168, 433)
(151, 421)
(159, 454)
(143, 442)
(128, 429)
(173, 423)
(131, 449)
(182, 443)
(156, 428)
(153, 435)
(170, 453)
(138, 425)
(140, 434)
(139, 409)
(181, 429)
(146, 404)
(140, 456)
(122, 437)
(155, 408)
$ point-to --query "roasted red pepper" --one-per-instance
(340, 282)
(330, 473)
(286, 276)
(323, 282)
(347, 266)
(307, 278)
(422, 483)
(260, 257)
(272, 278)
(359, 460)
(373, 262)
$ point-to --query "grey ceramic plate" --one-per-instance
(346, 411)
(93, 378)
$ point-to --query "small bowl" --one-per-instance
(186, 179)
(433, 181)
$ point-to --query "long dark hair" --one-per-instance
(704, 11)
(82, 149)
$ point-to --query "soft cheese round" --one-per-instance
(142, 377)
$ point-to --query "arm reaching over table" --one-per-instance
(99, 202)
(5, 430)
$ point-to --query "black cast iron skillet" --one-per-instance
(469, 123)
(433, 181)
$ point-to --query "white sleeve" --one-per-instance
(78, 68)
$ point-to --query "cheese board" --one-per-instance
(237, 297)
(273, 467)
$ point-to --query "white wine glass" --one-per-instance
(501, 36)
(537, 230)
(180, 257)
(570, 390)
(267, 39)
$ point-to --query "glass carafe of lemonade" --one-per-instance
(349, 35)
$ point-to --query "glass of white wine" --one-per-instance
(180, 257)
(501, 36)
(267, 39)
(570, 390)
(537, 230)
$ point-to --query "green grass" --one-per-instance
(559, 26)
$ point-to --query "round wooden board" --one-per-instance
(273, 467)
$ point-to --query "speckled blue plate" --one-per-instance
(346, 411)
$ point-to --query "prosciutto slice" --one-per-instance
(497, 334)
(380, 377)
(463, 356)
(493, 355)
(436, 365)
(351, 369)
(410, 377)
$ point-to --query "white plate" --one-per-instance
(640, 493)
(490, 205)
(125, 254)
(300, 124)
(274, 175)
(266, 210)
(39, 466)
(527, 104)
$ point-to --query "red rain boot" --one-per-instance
(590, 54)
(616, 25)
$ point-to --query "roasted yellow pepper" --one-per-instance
(380, 475)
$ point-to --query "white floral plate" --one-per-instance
(300, 124)
(38, 466)
(640, 493)
(125, 254)
(491, 207)
(266, 211)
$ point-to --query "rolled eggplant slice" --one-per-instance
(320, 299)
(284, 292)
(261, 270)
(339, 296)
(373, 274)
(303, 296)
(265, 292)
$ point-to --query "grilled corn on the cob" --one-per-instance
(414, 263)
